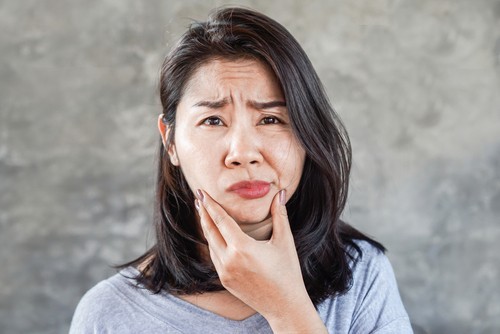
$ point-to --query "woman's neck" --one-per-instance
(258, 231)
(222, 303)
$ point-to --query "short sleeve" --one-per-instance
(87, 318)
(378, 307)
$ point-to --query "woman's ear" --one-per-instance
(164, 132)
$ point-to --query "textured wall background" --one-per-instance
(416, 82)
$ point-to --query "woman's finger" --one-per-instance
(281, 225)
(216, 242)
(226, 225)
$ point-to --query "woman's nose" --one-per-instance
(243, 150)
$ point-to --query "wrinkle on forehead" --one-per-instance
(218, 71)
(234, 70)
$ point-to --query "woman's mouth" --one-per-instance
(250, 189)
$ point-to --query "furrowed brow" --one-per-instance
(268, 105)
(212, 104)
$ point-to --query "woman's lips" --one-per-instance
(250, 189)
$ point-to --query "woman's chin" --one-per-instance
(249, 213)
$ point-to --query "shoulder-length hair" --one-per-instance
(324, 243)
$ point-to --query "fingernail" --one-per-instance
(197, 204)
(199, 194)
(283, 197)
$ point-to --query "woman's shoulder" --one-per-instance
(110, 289)
(365, 255)
(373, 302)
(107, 304)
(370, 265)
(103, 291)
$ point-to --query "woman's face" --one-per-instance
(233, 139)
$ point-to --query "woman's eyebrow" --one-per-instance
(255, 104)
(267, 105)
(212, 104)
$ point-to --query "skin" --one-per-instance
(232, 126)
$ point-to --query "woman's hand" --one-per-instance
(265, 275)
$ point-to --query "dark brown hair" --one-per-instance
(325, 244)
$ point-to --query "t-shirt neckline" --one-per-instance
(192, 313)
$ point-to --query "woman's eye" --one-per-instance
(270, 120)
(213, 121)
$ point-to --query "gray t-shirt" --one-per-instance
(372, 305)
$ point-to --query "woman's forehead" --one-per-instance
(217, 77)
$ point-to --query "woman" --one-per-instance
(252, 179)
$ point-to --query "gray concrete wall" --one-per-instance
(416, 82)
